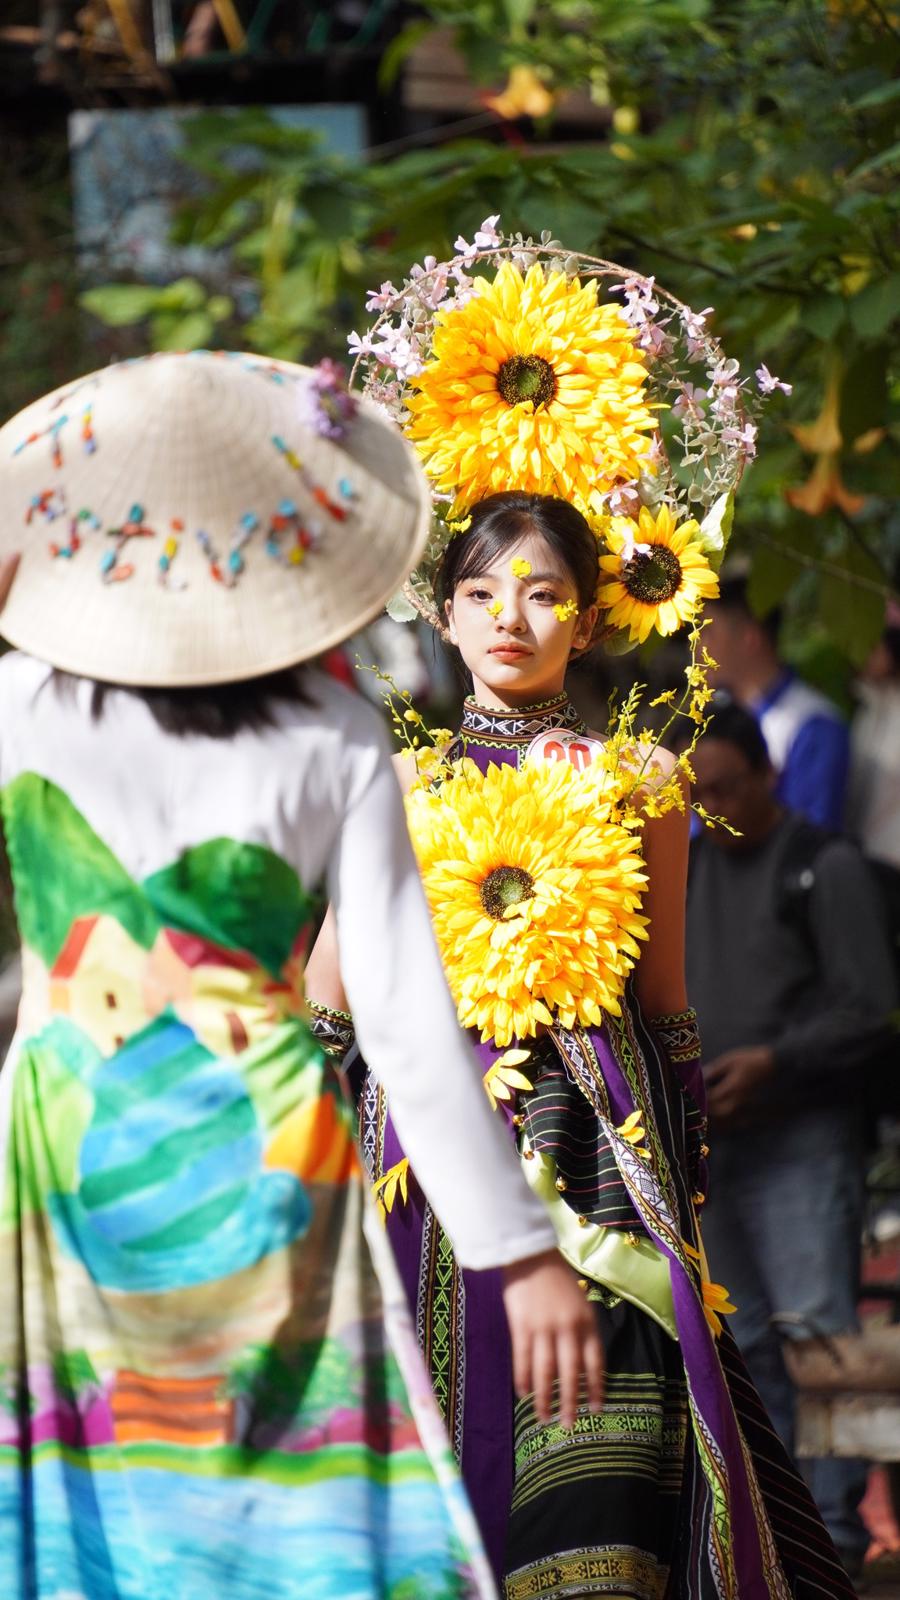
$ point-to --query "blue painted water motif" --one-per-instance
(143, 1534)
(172, 1191)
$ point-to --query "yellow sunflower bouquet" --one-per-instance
(534, 878)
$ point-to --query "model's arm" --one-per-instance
(659, 979)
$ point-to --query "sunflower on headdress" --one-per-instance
(530, 382)
(656, 574)
(535, 893)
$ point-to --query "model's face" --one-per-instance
(507, 631)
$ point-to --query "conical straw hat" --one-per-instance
(185, 519)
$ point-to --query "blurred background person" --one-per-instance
(790, 972)
(806, 736)
(874, 799)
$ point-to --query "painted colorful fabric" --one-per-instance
(208, 1386)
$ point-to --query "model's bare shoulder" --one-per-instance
(657, 761)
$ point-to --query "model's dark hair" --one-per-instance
(734, 597)
(501, 521)
(215, 711)
(731, 724)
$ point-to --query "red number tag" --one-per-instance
(560, 744)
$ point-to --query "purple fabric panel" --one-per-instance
(487, 1459)
(706, 1380)
(487, 1452)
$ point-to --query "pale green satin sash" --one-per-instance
(630, 1265)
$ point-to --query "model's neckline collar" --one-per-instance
(520, 726)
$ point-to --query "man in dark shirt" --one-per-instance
(790, 971)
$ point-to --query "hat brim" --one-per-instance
(188, 440)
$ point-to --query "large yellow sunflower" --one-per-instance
(535, 893)
(656, 575)
(531, 383)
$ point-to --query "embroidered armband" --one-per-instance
(333, 1029)
(679, 1035)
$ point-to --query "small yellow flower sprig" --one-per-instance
(630, 754)
(495, 608)
(395, 1181)
(519, 567)
(632, 1130)
(503, 1077)
(567, 609)
(427, 747)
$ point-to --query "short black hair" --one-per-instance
(731, 724)
(500, 521)
(733, 596)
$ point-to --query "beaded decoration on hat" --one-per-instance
(202, 518)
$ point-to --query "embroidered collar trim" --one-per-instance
(519, 727)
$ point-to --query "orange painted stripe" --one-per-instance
(142, 1433)
(177, 1386)
(70, 954)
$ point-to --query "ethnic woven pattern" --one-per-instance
(440, 1321)
(510, 729)
(610, 1490)
(333, 1029)
(679, 1035)
(559, 1121)
(372, 1118)
(617, 1570)
(641, 1432)
(678, 1038)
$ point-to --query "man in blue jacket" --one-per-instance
(807, 738)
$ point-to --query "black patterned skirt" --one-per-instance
(596, 1509)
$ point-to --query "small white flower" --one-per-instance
(380, 299)
(768, 383)
(722, 375)
(360, 345)
(694, 323)
(640, 304)
(744, 438)
(654, 338)
(487, 237)
(691, 401)
(623, 501)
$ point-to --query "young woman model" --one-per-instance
(208, 1388)
(679, 1487)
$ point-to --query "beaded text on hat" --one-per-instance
(324, 406)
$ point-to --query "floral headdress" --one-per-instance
(518, 365)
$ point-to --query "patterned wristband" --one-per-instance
(333, 1029)
(679, 1035)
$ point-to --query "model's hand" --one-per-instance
(7, 573)
(554, 1336)
(732, 1080)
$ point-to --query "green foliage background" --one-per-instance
(751, 163)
